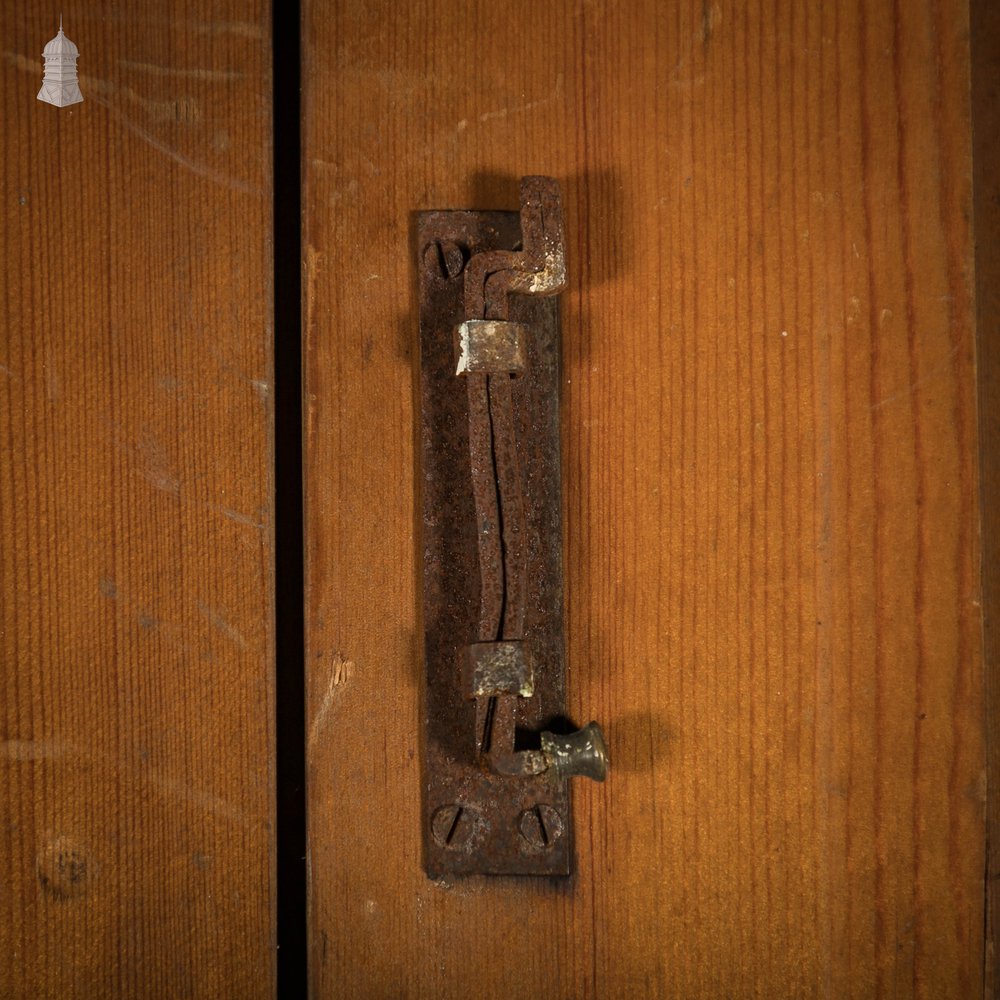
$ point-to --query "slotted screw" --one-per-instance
(452, 826)
(444, 258)
(541, 826)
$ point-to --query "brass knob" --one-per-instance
(580, 754)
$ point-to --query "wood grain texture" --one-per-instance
(136, 577)
(985, 25)
(770, 492)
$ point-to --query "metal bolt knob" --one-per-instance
(580, 754)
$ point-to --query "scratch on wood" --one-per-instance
(244, 29)
(51, 383)
(176, 109)
(205, 801)
(32, 750)
(156, 463)
(95, 87)
(529, 106)
(151, 455)
(38, 750)
(235, 515)
(222, 625)
(200, 169)
(193, 73)
(941, 368)
(340, 672)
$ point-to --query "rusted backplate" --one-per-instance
(475, 820)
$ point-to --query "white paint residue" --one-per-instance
(553, 276)
(463, 349)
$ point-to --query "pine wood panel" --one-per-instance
(135, 497)
(985, 25)
(770, 492)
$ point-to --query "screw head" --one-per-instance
(541, 827)
(455, 826)
(444, 259)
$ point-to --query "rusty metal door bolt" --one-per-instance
(492, 563)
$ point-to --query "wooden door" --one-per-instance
(770, 492)
(136, 565)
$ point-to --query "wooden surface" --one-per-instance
(770, 469)
(135, 491)
(985, 24)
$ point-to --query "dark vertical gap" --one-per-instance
(290, 765)
(985, 57)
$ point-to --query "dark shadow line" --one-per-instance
(290, 758)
